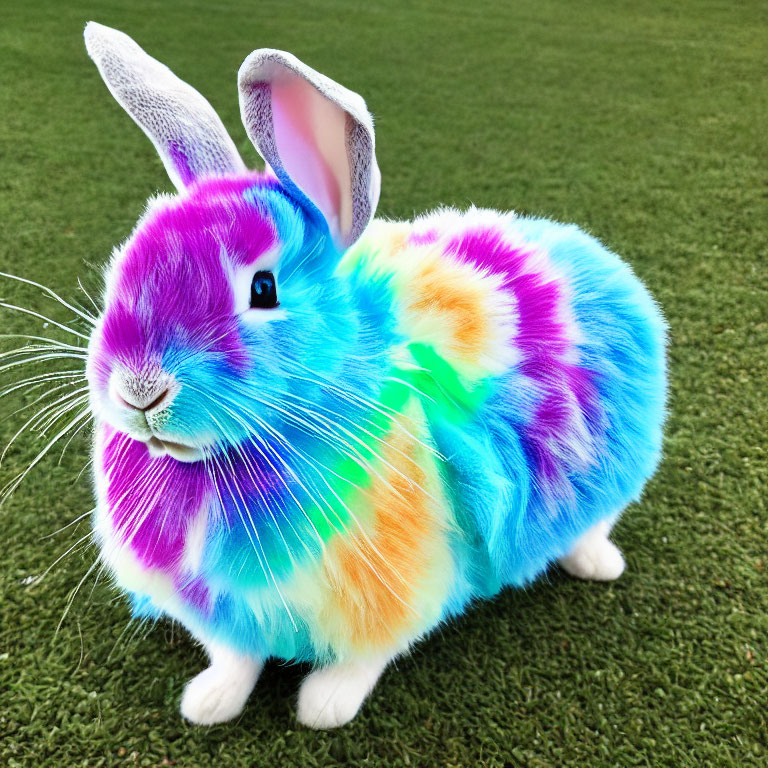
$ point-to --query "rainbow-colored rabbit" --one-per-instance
(318, 434)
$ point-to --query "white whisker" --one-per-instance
(30, 423)
(51, 342)
(68, 525)
(88, 295)
(84, 315)
(44, 319)
(11, 486)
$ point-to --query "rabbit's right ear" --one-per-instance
(188, 135)
(316, 135)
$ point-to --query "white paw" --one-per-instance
(212, 697)
(332, 696)
(594, 557)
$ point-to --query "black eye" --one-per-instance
(263, 291)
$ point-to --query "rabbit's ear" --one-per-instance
(317, 136)
(187, 133)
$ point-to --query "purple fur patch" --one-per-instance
(195, 593)
(423, 238)
(152, 501)
(171, 287)
(567, 394)
(180, 162)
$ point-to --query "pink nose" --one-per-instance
(140, 393)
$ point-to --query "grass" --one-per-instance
(644, 122)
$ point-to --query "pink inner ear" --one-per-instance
(310, 133)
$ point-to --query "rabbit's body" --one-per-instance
(318, 435)
(500, 392)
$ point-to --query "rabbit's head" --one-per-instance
(224, 302)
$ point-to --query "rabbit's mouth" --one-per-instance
(179, 451)
(141, 404)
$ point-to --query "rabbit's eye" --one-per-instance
(263, 291)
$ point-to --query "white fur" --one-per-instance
(195, 540)
(595, 556)
(331, 696)
(219, 692)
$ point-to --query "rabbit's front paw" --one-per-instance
(331, 697)
(216, 695)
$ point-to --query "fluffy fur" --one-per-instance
(443, 409)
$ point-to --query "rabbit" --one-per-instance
(320, 435)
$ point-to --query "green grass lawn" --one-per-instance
(644, 122)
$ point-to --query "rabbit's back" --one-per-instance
(558, 350)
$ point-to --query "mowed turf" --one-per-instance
(644, 123)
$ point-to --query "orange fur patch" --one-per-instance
(380, 582)
(456, 299)
(452, 306)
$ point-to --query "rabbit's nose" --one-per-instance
(141, 393)
(139, 405)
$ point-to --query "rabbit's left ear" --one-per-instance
(316, 135)
(188, 135)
